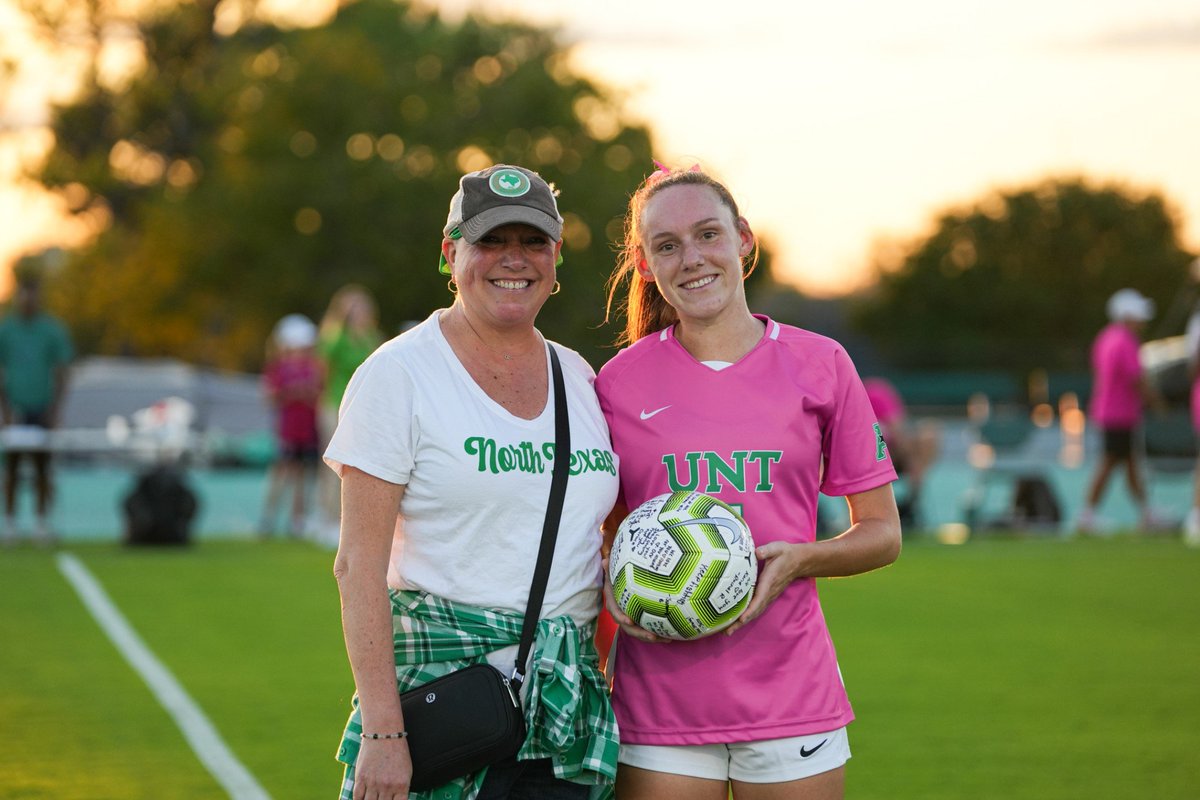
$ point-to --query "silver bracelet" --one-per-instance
(397, 735)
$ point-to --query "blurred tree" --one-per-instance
(1019, 280)
(243, 175)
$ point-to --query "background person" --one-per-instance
(1119, 392)
(705, 380)
(35, 351)
(349, 332)
(442, 452)
(1191, 524)
(292, 379)
(913, 449)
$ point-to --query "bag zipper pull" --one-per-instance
(514, 688)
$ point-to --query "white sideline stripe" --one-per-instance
(199, 732)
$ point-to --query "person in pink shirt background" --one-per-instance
(710, 397)
(1191, 523)
(1119, 393)
(293, 380)
(913, 448)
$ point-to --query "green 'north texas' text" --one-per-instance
(527, 457)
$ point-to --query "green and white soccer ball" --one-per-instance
(682, 565)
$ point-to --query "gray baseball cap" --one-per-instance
(501, 195)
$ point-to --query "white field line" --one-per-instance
(208, 745)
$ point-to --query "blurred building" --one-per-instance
(110, 401)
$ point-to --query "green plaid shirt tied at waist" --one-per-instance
(565, 701)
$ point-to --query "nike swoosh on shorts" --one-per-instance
(805, 752)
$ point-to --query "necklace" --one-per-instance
(484, 342)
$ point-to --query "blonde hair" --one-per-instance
(644, 307)
(340, 304)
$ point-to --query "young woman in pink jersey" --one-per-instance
(708, 396)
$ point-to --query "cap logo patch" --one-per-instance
(508, 183)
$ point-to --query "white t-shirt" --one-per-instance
(477, 477)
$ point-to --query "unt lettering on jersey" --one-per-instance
(710, 472)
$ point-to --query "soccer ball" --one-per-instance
(682, 565)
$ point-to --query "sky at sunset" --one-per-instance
(843, 125)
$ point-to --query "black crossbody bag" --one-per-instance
(464, 721)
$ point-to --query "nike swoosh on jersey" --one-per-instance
(648, 414)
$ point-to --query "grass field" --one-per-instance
(1013, 668)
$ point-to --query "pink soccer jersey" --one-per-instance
(1117, 372)
(755, 435)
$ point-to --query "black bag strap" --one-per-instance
(558, 489)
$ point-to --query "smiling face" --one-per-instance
(505, 277)
(693, 249)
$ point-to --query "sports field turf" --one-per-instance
(1010, 668)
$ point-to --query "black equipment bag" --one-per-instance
(160, 508)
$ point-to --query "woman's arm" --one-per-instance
(369, 509)
(871, 541)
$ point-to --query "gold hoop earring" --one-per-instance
(451, 286)
(557, 288)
